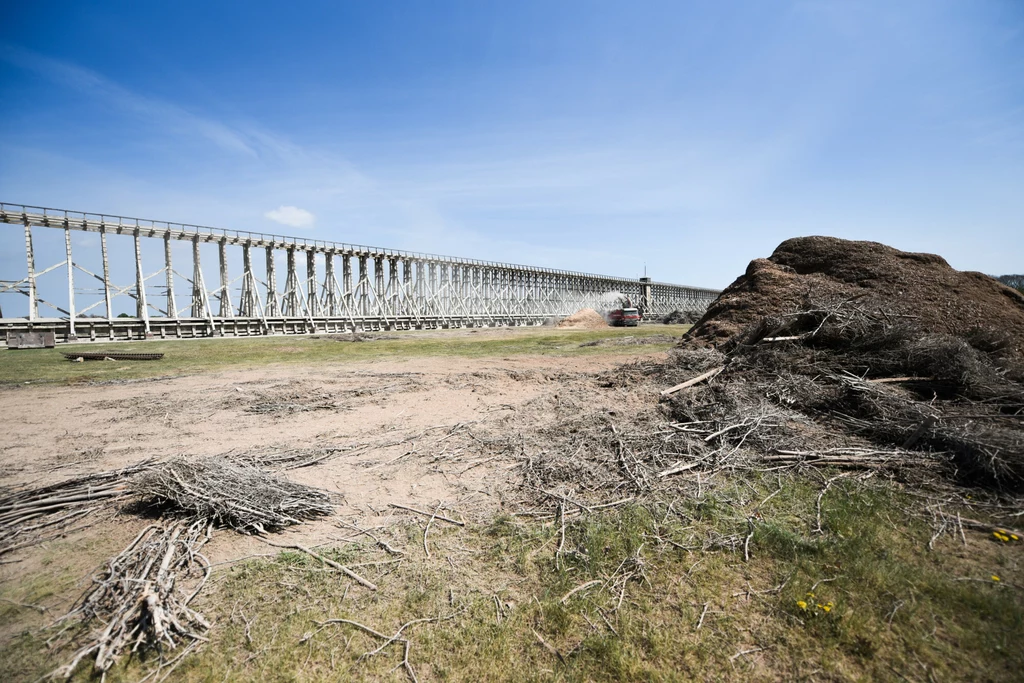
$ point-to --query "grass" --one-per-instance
(864, 600)
(188, 357)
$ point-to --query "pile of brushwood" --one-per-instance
(140, 598)
(869, 347)
(848, 355)
(857, 384)
(239, 497)
(678, 317)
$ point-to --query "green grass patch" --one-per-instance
(862, 600)
(188, 357)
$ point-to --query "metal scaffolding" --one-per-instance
(390, 289)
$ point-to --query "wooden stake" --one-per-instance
(696, 380)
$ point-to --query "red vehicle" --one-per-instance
(624, 317)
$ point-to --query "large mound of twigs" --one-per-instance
(245, 499)
(871, 348)
(867, 374)
(921, 288)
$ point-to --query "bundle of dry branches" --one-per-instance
(242, 498)
(137, 597)
(29, 516)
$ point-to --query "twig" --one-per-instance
(427, 514)
(388, 640)
(690, 382)
(561, 542)
(746, 543)
(426, 529)
(700, 622)
(329, 562)
(567, 500)
(607, 623)
(770, 496)
(821, 581)
(745, 652)
(581, 587)
(383, 545)
(550, 648)
(989, 582)
(828, 485)
(41, 609)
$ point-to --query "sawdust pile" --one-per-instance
(919, 288)
(586, 319)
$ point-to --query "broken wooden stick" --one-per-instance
(696, 380)
(577, 589)
(428, 514)
(326, 560)
(891, 380)
(677, 468)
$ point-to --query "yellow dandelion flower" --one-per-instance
(826, 608)
(995, 578)
(1015, 537)
(996, 534)
(810, 595)
(801, 604)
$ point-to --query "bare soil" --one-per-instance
(413, 432)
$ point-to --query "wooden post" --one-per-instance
(273, 309)
(198, 295)
(330, 283)
(172, 309)
(71, 285)
(247, 301)
(106, 275)
(225, 291)
(140, 285)
(30, 258)
(312, 301)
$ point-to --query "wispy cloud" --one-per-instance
(170, 116)
(292, 216)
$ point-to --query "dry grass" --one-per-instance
(666, 595)
(691, 540)
(190, 357)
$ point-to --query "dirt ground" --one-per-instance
(407, 431)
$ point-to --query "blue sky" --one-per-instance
(595, 136)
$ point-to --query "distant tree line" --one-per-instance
(1015, 281)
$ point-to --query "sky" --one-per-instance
(681, 137)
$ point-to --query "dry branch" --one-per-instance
(242, 498)
(328, 561)
(691, 382)
(427, 514)
(137, 598)
(581, 587)
(388, 640)
(29, 516)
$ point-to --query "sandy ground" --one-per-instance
(408, 429)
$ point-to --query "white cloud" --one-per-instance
(292, 216)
